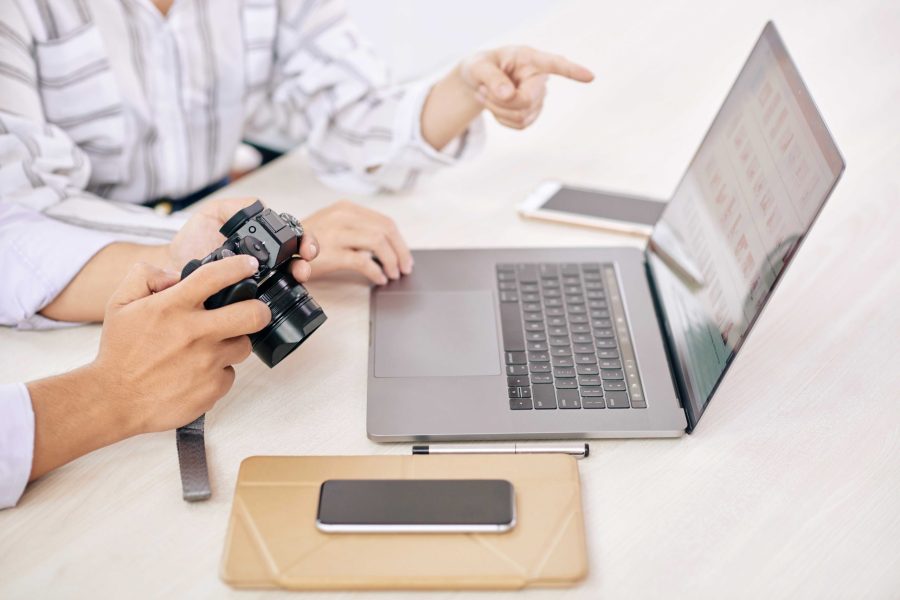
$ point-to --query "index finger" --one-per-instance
(559, 65)
(213, 277)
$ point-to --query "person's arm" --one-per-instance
(163, 361)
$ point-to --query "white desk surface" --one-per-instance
(791, 485)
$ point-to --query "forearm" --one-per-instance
(449, 108)
(72, 417)
(84, 299)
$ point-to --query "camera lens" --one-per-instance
(295, 315)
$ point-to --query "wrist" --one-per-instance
(449, 108)
(109, 396)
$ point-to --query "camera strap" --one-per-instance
(192, 461)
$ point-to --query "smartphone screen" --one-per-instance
(416, 505)
(600, 205)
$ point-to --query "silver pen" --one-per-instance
(576, 449)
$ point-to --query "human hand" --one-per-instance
(351, 235)
(511, 82)
(164, 359)
(200, 236)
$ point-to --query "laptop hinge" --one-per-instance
(667, 339)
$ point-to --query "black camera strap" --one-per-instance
(192, 461)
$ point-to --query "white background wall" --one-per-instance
(416, 37)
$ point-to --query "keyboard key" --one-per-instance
(607, 353)
(593, 285)
(590, 268)
(513, 392)
(587, 369)
(610, 363)
(559, 340)
(506, 276)
(565, 384)
(534, 326)
(571, 280)
(509, 297)
(517, 369)
(583, 349)
(517, 380)
(605, 343)
(568, 398)
(563, 361)
(532, 306)
(569, 269)
(638, 401)
(594, 295)
(602, 324)
(541, 378)
(524, 392)
(534, 317)
(537, 346)
(506, 267)
(564, 373)
(555, 311)
(527, 273)
(617, 400)
(508, 286)
(528, 287)
(544, 395)
(560, 351)
(589, 380)
(511, 325)
(576, 309)
(596, 304)
(612, 374)
(592, 402)
(578, 319)
(551, 289)
(595, 314)
(585, 359)
(558, 331)
(580, 328)
(614, 386)
(538, 357)
(535, 336)
(603, 333)
(591, 392)
(556, 321)
(520, 403)
(531, 297)
(541, 368)
(551, 302)
(548, 269)
(516, 358)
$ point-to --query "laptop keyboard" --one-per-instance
(565, 338)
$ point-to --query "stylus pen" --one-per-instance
(576, 449)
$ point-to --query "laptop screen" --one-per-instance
(748, 198)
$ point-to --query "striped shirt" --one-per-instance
(105, 104)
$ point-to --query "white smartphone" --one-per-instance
(416, 506)
(554, 201)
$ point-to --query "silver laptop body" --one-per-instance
(611, 342)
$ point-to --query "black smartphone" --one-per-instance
(593, 208)
(416, 505)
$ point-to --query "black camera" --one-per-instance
(273, 239)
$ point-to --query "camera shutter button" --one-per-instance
(255, 248)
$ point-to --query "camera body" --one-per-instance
(273, 239)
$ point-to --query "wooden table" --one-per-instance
(790, 486)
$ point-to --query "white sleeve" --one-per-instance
(50, 226)
(16, 442)
(330, 89)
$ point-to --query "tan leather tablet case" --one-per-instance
(273, 541)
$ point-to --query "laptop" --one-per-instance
(611, 342)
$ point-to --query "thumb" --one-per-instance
(486, 73)
(142, 280)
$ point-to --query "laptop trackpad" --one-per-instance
(435, 334)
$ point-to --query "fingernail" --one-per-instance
(407, 268)
(314, 249)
